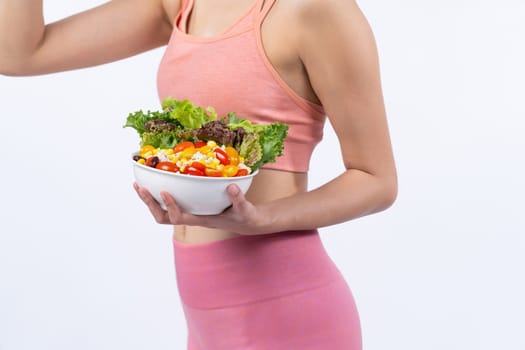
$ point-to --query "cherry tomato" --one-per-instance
(198, 165)
(242, 172)
(152, 161)
(182, 146)
(213, 172)
(190, 170)
(230, 170)
(200, 144)
(167, 166)
(222, 156)
(233, 155)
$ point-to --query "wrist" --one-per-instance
(276, 216)
(268, 219)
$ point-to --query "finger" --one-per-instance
(178, 217)
(154, 207)
(237, 198)
(173, 210)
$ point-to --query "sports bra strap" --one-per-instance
(182, 18)
(264, 7)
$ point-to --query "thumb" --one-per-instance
(237, 198)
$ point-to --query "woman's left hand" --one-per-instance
(241, 217)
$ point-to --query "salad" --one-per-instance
(188, 139)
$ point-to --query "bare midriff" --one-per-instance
(266, 186)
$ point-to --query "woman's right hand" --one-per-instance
(109, 32)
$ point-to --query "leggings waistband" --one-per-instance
(248, 269)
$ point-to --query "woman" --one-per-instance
(255, 276)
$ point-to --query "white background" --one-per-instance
(83, 265)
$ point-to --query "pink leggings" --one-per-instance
(278, 291)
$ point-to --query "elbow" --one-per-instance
(390, 193)
(16, 65)
(9, 70)
(17, 61)
(388, 196)
(8, 63)
(8, 73)
(13, 70)
(4, 70)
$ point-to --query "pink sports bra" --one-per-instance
(232, 73)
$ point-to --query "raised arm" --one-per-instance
(109, 32)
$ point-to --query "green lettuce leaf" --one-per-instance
(187, 114)
(233, 122)
(270, 138)
(272, 142)
(164, 139)
(138, 119)
(250, 149)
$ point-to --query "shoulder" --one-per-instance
(337, 46)
(323, 12)
(318, 18)
(333, 24)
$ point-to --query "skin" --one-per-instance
(323, 49)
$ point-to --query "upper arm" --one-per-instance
(111, 31)
(338, 50)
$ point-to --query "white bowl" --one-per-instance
(198, 195)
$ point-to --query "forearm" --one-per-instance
(351, 195)
(21, 30)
